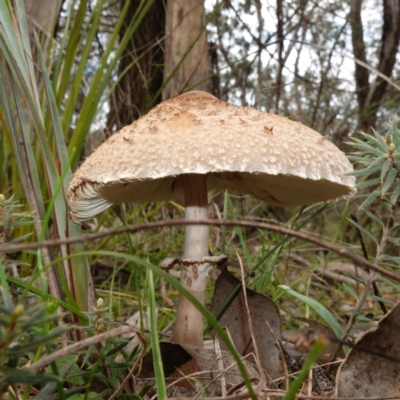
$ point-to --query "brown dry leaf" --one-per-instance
(363, 374)
(262, 309)
(180, 361)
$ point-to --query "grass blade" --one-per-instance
(323, 312)
(155, 345)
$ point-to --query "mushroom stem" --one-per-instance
(196, 207)
(189, 321)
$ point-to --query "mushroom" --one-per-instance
(193, 143)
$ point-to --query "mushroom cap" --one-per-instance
(241, 149)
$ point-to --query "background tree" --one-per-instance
(140, 69)
(294, 58)
(42, 15)
(186, 49)
(370, 94)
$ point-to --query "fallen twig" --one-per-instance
(73, 348)
(245, 224)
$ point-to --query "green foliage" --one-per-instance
(157, 360)
(379, 158)
(12, 223)
(23, 331)
(33, 124)
(324, 313)
(38, 117)
(48, 109)
(26, 331)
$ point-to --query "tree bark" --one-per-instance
(357, 36)
(143, 58)
(279, 39)
(389, 47)
(369, 95)
(42, 15)
(186, 50)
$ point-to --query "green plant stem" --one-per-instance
(155, 345)
(3, 278)
(66, 305)
(324, 313)
(365, 253)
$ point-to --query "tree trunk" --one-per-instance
(186, 50)
(370, 95)
(143, 60)
(42, 15)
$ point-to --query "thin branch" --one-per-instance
(324, 76)
(357, 35)
(381, 250)
(279, 29)
(345, 54)
(245, 224)
(364, 249)
(83, 344)
(389, 49)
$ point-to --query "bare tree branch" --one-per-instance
(280, 37)
(370, 97)
(357, 36)
(389, 46)
(81, 345)
(245, 224)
